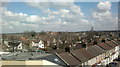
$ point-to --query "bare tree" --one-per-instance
(30, 33)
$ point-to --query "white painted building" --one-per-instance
(39, 44)
(7, 43)
(20, 46)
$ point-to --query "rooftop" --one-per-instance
(104, 46)
(99, 49)
(93, 50)
(86, 53)
(69, 59)
(24, 56)
(111, 44)
(78, 55)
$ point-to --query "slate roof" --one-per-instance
(82, 54)
(86, 53)
(116, 42)
(78, 55)
(93, 50)
(99, 49)
(111, 44)
(104, 46)
(69, 59)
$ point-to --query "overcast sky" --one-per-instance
(58, 16)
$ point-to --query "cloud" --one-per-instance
(10, 16)
(16, 22)
(62, 16)
(103, 18)
(33, 18)
(58, 16)
(104, 6)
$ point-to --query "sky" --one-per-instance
(18, 17)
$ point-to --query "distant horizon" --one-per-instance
(63, 31)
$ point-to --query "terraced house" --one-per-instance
(101, 54)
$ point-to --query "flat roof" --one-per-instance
(27, 56)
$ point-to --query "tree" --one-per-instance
(4, 36)
(54, 47)
(42, 33)
(12, 37)
(30, 33)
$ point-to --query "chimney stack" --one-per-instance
(103, 40)
(67, 48)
